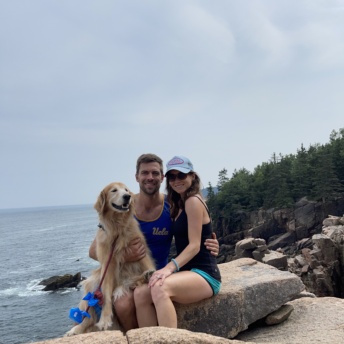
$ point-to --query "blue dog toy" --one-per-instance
(77, 315)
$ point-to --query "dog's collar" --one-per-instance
(101, 226)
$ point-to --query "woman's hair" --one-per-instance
(174, 198)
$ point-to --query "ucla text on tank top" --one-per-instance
(158, 234)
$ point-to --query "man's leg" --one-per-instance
(145, 310)
(125, 310)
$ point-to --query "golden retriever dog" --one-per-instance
(115, 207)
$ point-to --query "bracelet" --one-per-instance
(175, 263)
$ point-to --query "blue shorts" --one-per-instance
(214, 283)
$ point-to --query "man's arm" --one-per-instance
(134, 252)
(213, 245)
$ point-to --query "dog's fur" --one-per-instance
(116, 214)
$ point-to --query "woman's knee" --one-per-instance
(159, 292)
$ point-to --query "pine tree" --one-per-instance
(223, 178)
(301, 174)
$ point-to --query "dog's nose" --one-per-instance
(126, 197)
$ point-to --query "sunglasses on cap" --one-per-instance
(180, 175)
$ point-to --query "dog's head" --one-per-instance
(114, 197)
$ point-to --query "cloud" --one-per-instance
(205, 35)
(87, 86)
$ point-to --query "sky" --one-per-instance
(88, 86)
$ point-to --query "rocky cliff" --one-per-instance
(302, 221)
(303, 239)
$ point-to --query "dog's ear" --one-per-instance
(99, 205)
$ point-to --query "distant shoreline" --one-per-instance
(46, 207)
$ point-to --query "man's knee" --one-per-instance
(125, 311)
(142, 295)
(124, 304)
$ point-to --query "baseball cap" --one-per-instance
(179, 163)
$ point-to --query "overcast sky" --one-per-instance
(88, 86)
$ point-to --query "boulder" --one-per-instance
(257, 249)
(149, 335)
(282, 241)
(321, 266)
(167, 335)
(276, 259)
(314, 320)
(280, 315)
(58, 282)
(250, 291)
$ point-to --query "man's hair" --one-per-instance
(146, 158)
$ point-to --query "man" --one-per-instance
(152, 213)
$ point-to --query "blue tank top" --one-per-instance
(158, 234)
(203, 260)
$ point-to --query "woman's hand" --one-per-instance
(159, 276)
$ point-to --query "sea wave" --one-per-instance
(32, 288)
(50, 228)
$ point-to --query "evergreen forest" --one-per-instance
(316, 173)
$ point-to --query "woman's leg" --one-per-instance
(145, 310)
(182, 287)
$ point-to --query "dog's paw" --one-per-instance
(104, 324)
(118, 293)
(71, 332)
(147, 275)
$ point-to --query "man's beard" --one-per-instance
(151, 190)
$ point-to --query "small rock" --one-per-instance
(279, 315)
(65, 281)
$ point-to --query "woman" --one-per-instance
(198, 276)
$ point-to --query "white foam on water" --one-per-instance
(34, 285)
(50, 228)
(67, 291)
(32, 288)
(9, 291)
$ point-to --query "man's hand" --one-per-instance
(212, 245)
(135, 251)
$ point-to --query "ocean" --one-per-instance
(37, 243)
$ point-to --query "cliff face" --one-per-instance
(306, 235)
(303, 220)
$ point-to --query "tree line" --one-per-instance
(316, 173)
